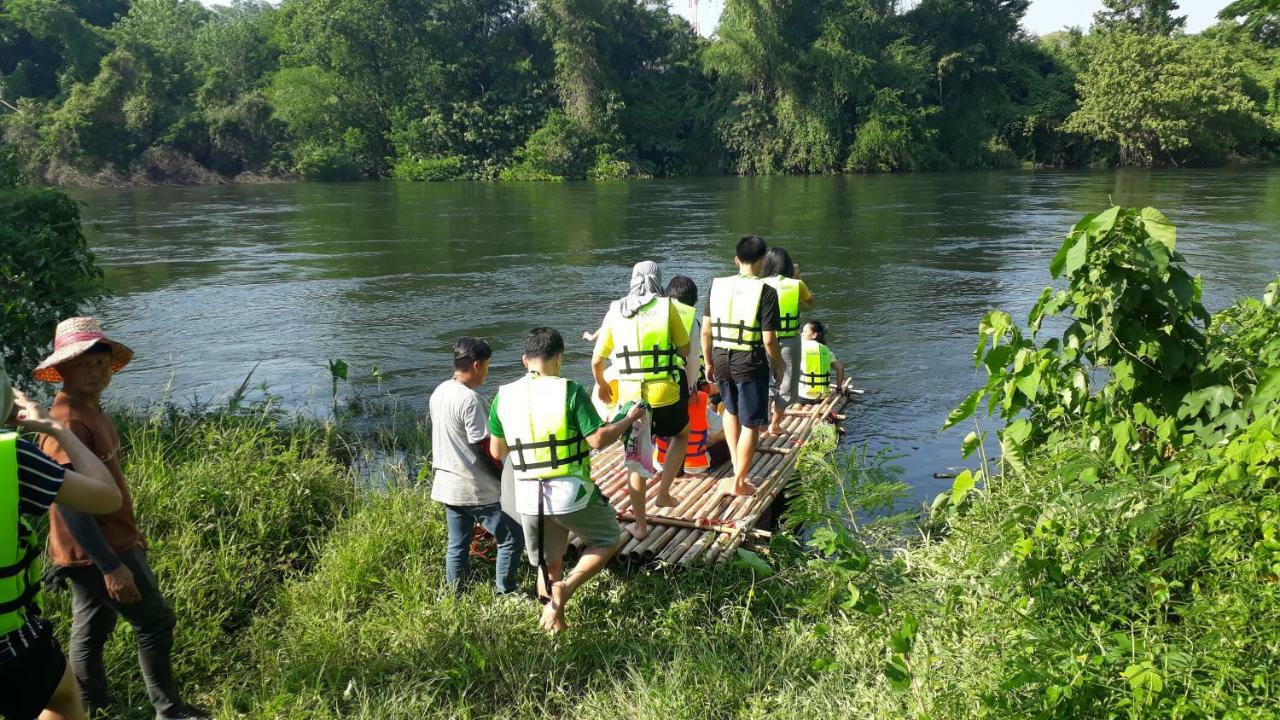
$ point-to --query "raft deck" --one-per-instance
(707, 527)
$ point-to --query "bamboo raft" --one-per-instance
(707, 527)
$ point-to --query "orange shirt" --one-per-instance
(96, 431)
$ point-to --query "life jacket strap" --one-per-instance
(26, 599)
(22, 565)
(519, 462)
(740, 327)
(664, 361)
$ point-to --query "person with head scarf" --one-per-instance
(647, 341)
(34, 674)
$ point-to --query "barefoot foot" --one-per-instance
(553, 613)
(743, 489)
(667, 500)
(639, 530)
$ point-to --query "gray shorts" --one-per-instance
(783, 395)
(596, 524)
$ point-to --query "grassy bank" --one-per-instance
(1122, 560)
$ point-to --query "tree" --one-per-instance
(1156, 100)
(1148, 17)
(46, 271)
(1261, 19)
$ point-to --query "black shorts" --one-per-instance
(748, 401)
(668, 421)
(27, 683)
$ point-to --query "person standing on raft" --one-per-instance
(741, 328)
(648, 342)
(784, 277)
(547, 426)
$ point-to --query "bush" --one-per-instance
(609, 167)
(432, 169)
(328, 162)
(47, 272)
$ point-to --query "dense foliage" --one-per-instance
(46, 270)
(173, 91)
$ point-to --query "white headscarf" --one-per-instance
(646, 284)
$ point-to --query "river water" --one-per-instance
(210, 281)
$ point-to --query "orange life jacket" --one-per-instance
(696, 458)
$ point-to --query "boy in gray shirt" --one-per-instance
(464, 479)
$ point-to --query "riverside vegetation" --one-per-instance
(1120, 559)
(172, 91)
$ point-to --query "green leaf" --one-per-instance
(1159, 228)
(1016, 433)
(898, 675)
(755, 562)
(1029, 384)
(1077, 255)
(960, 488)
(338, 369)
(965, 409)
(969, 444)
(1060, 258)
(1105, 221)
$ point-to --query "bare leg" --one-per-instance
(591, 563)
(676, 451)
(637, 489)
(554, 569)
(778, 415)
(747, 439)
(731, 429)
(65, 703)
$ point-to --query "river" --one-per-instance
(210, 281)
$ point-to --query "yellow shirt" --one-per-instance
(658, 393)
(806, 297)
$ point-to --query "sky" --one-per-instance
(1045, 16)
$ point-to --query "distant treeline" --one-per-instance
(172, 91)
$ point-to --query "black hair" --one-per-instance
(819, 331)
(777, 261)
(543, 343)
(97, 348)
(751, 248)
(469, 351)
(682, 288)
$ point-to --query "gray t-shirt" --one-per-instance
(459, 420)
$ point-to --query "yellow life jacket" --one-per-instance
(735, 312)
(544, 443)
(788, 305)
(815, 370)
(19, 570)
(642, 348)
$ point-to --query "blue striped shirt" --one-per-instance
(39, 480)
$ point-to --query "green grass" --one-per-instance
(300, 597)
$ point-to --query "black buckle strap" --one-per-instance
(576, 441)
(664, 360)
(788, 323)
(27, 598)
(815, 379)
(22, 565)
(741, 328)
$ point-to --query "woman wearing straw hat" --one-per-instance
(103, 557)
(35, 678)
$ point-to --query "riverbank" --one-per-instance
(1123, 560)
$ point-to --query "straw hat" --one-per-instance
(71, 340)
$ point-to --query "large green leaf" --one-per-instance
(1159, 228)
(965, 410)
(1105, 221)
(1077, 255)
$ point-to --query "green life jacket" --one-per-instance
(544, 444)
(788, 305)
(815, 370)
(19, 572)
(735, 312)
(642, 348)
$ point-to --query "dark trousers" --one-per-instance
(460, 520)
(94, 616)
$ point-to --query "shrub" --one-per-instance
(316, 161)
(47, 272)
(432, 169)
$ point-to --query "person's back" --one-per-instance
(820, 372)
(741, 327)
